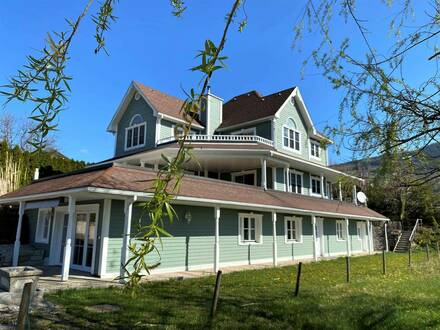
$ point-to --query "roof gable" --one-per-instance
(164, 104)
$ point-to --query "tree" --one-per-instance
(384, 108)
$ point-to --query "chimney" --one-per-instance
(37, 173)
(212, 116)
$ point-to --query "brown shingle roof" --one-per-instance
(162, 102)
(139, 180)
(251, 106)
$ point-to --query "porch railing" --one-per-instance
(411, 237)
(220, 138)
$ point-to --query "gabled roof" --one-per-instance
(118, 178)
(252, 106)
(163, 104)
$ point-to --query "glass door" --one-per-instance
(84, 243)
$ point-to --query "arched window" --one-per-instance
(135, 133)
(291, 136)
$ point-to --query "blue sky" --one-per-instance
(148, 44)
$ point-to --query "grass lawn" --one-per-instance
(401, 299)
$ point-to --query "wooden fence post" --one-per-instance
(23, 314)
(384, 262)
(347, 265)
(216, 293)
(298, 278)
(409, 257)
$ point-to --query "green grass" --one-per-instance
(403, 299)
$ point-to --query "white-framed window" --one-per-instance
(315, 149)
(250, 228)
(245, 177)
(43, 226)
(245, 131)
(315, 183)
(296, 181)
(341, 234)
(359, 231)
(135, 133)
(291, 136)
(293, 229)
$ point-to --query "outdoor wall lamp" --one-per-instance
(188, 216)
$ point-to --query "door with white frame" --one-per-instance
(319, 232)
(83, 238)
(361, 228)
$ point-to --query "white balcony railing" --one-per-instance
(220, 138)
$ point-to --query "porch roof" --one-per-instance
(125, 180)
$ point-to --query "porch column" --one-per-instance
(274, 178)
(369, 236)
(217, 239)
(18, 235)
(315, 254)
(386, 236)
(354, 195)
(340, 191)
(156, 167)
(274, 233)
(128, 211)
(287, 178)
(347, 231)
(322, 186)
(205, 173)
(69, 234)
(263, 174)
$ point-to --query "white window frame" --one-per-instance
(295, 172)
(318, 178)
(299, 140)
(235, 174)
(315, 144)
(298, 230)
(246, 131)
(341, 232)
(132, 127)
(258, 229)
(40, 226)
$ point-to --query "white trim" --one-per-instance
(343, 237)
(298, 230)
(258, 218)
(38, 238)
(158, 128)
(17, 243)
(128, 212)
(235, 174)
(315, 252)
(274, 239)
(295, 130)
(69, 235)
(132, 128)
(296, 172)
(315, 144)
(315, 177)
(216, 239)
(105, 226)
(263, 173)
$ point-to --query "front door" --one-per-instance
(362, 235)
(319, 237)
(84, 240)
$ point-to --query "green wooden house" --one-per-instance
(260, 191)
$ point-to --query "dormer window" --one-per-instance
(291, 136)
(315, 149)
(135, 133)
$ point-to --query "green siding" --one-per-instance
(192, 244)
(290, 111)
(231, 251)
(142, 108)
(295, 250)
(263, 129)
(166, 129)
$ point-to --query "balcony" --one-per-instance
(219, 138)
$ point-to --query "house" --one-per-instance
(260, 191)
